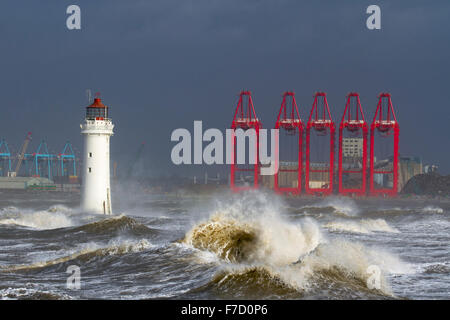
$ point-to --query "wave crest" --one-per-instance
(254, 240)
(87, 253)
(31, 294)
(433, 209)
(53, 218)
(112, 224)
(262, 246)
(364, 226)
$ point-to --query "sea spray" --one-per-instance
(432, 209)
(345, 207)
(53, 218)
(251, 235)
(86, 252)
(363, 226)
(341, 206)
(251, 229)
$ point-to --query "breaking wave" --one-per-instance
(53, 218)
(409, 210)
(31, 294)
(256, 244)
(364, 226)
(441, 268)
(62, 217)
(432, 209)
(112, 224)
(340, 206)
(86, 253)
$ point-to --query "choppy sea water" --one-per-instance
(256, 245)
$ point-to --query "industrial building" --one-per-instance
(23, 183)
(352, 147)
(408, 168)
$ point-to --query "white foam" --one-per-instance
(432, 209)
(273, 231)
(41, 220)
(113, 247)
(281, 243)
(341, 205)
(17, 293)
(363, 226)
(350, 259)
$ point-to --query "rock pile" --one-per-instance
(428, 184)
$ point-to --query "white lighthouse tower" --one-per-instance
(97, 129)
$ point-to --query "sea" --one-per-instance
(253, 245)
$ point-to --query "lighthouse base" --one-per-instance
(93, 203)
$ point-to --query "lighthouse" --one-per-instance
(96, 129)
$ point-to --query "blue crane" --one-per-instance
(5, 155)
(39, 158)
(67, 155)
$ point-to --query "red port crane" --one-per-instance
(245, 119)
(353, 122)
(321, 122)
(289, 120)
(385, 122)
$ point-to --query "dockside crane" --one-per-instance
(21, 156)
(322, 124)
(386, 124)
(289, 121)
(353, 123)
(5, 156)
(245, 119)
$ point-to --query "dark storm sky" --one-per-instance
(162, 64)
